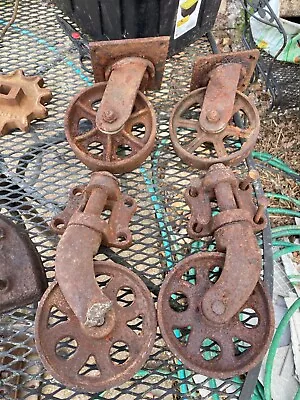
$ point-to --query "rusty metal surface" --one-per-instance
(22, 100)
(130, 300)
(200, 196)
(234, 234)
(233, 228)
(205, 64)
(119, 152)
(124, 81)
(216, 350)
(81, 241)
(22, 276)
(217, 108)
(189, 139)
(105, 54)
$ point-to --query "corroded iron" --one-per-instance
(208, 296)
(96, 214)
(205, 64)
(203, 121)
(22, 276)
(111, 368)
(22, 99)
(233, 228)
(219, 350)
(121, 123)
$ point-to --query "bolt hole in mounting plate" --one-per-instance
(211, 349)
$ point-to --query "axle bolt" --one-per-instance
(212, 116)
(109, 116)
(218, 307)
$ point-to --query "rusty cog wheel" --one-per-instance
(117, 152)
(22, 99)
(201, 149)
(98, 358)
(215, 350)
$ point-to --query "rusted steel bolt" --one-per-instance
(261, 209)
(253, 175)
(218, 307)
(212, 116)
(109, 116)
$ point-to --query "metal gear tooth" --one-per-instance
(20, 107)
(45, 96)
(40, 112)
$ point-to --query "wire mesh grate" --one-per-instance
(38, 169)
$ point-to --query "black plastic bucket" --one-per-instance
(184, 20)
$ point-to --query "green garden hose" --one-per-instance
(275, 344)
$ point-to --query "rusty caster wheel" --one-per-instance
(117, 152)
(214, 350)
(98, 358)
(201, 149)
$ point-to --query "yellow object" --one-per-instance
(183, 21)
(262, 44)
(188, 4)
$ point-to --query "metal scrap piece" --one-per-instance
(22, 100)
(22, 277)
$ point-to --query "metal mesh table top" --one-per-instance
(38, 169)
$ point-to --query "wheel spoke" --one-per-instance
(60, 331)
(227, 351)
(135, 117)
(196, 337)
(220, 148)
(128, 313)
(187, 123)
(86, 136)
(108, 148)
(246, 334)
(194, 144)
(77, 361)
(180, 319)
(134, 142)
(86, 111)
(105, 365)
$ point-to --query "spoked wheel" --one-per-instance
(201, 149)
(215, 350)
(115, 152)
(98, 358)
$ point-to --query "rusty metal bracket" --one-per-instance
(204, 65)
(216, 113)
(117, 212)
(200, 195)
(22, 276)
(94, 314)
(234, 228)
(84, 230)
(155, 50)
(122, 123)
(203, 121)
